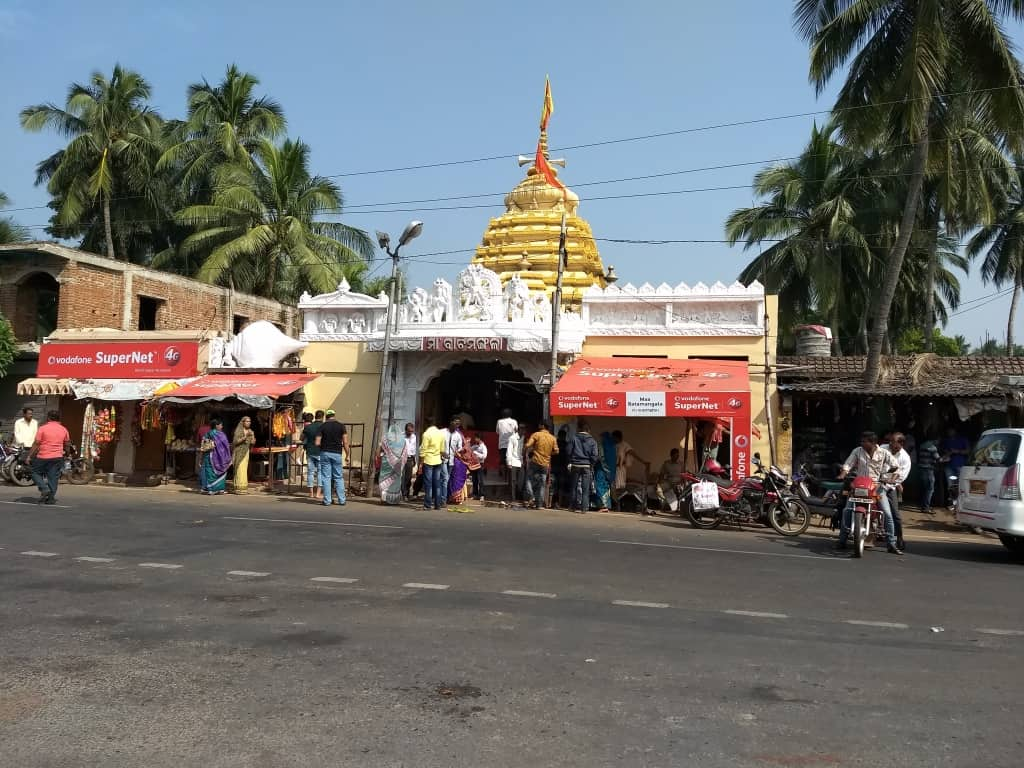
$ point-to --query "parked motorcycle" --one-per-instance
(76, 470)
(8, 453)
(765, 497)
(821, 496)
(19, 470)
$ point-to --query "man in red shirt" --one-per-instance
(47, 456)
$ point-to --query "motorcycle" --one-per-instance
(765, 497)
(8, 454)
(75, 469)
(868, 518)
(19, 470)
(820, 496)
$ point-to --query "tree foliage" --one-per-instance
(220, 195)
(8, 346)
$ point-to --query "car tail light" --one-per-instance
(1010, 487)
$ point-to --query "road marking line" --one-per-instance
(253, 574)
(730, 551)
(757, 614)
(168, 566)
(333, 580)
(639, 604)
(36, 504)
(1001, 632)
(311, 522)
(95, 559)
(883, 624)
(524, 593)
(34, 553)
(417, 585)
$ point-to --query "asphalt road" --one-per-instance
(158, 628)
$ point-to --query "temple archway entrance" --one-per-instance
(481, 389)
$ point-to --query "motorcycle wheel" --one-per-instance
(789, 517)
(21, 475)
(80, 474)
(859, 534)
(704, 519)
(5, 470)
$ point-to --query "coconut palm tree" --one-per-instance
(10, 230)
(811, 211)
(905, 57)
(225, 125)
(1002, 243)
(114, 140)
(262, 230)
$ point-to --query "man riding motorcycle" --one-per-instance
(872, 461)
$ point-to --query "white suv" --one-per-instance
(990, 487)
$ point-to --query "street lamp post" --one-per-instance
(412, 231)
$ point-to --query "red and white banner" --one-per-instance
(119, 360)
(713, 390)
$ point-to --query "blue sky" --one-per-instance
(382, 85)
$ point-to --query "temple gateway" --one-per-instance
(482, 343)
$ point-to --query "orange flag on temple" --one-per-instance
(549, 105)
(540, 161)
(545, 170)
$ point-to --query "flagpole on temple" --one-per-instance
(556, 312)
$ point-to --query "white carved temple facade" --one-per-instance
(478, 321)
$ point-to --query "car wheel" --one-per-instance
(1013, 543)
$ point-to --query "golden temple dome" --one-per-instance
(524, 240)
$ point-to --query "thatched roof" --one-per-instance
(926, 375)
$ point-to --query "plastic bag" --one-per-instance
(705, 495)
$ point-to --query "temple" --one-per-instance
(482, 343)
(524, 240)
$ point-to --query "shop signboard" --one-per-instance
(119, 360)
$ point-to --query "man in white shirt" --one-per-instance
(873, 461)
(894, 489)
(506, 427)
(25, 429)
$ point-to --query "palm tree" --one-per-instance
(262, 233)
(1002, 242)
(905, 57)
(225, 125)
(811, 211)
(114, 138)
(10, 230)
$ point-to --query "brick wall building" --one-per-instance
(45, 286)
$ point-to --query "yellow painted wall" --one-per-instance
(349, 380)
(653, 438)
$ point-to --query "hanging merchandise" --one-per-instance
(149, 415)
(105, 426)
(283, 424)
(88, 448)
(169, 436)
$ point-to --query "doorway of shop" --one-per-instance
(481, 390)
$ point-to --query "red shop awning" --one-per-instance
(218, 386)
(639, 386)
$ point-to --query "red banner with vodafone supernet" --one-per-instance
(646, 387)
(119, 360)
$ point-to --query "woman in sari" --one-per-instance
(394, 450)
(604, 472)
(216, 451)
(242, 442)
(458, 481)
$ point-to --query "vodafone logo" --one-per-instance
(742, 441)
(172, 356)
